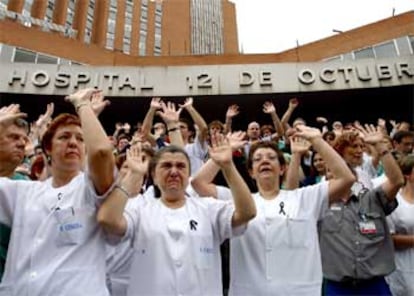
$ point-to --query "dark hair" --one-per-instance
(63, 119)
(266, 144)
(265, 127)
(189, 124)
(400, 135)
(37, 166)
(329, 136)
(123, 136)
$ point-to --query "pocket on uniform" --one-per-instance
(77, 282)
(299, 232)
(5, 290)
(332, 221)
(75, 226)
(203, 250)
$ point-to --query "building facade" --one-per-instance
(130, 27)
(331, 77)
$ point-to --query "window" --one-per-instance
(24, 56)
(403, 46)
(348, 56)
(364, 53)
(412, 43)
(45, 59)
(158, 18)
(386, 50)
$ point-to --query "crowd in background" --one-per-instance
(173, 205)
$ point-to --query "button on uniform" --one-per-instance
(178, 263)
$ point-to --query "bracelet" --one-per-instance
(77, 107)
(173, 129)
(123, 189)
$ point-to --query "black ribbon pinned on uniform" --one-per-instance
(193, 224)
(282, 206)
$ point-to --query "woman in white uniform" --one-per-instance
(401, 223)
(56, 245)
(279, 254)
(176, 238)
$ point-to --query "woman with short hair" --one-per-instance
(56, 245)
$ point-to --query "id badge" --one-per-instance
(367, 227)
(69, 227)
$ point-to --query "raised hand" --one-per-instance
(232, 111)
(269, 108)
(137, 160)
(169, 113)
(306, 132)
(299, 145)
(381, 122)
(98, 103)
(220, 150)
(393, 123)
(46, 117)
(138, 137)
(156, 103)
(293, 103)
(8, 114)
(81, 97)
(370, 133)
(126, 127)
(322, 120)
(237, 140)
(187, 103)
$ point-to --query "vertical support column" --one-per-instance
(100, 22)
(38, 9)
(79, 19)
(150, 30)
(15, 5)
(60, 11)
(120, 25)
(135, 30)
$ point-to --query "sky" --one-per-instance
(271, 26)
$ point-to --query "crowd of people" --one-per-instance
(176, 206)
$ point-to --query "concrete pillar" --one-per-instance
(100, 22)
(79, 19)
(38, 9)
(15, 5)
(60, 11)
(120, 25)
(136, 22)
